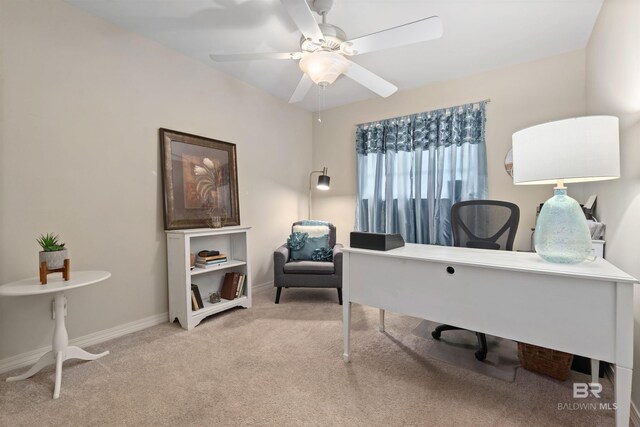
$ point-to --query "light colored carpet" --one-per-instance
(281, 365)
(458, 348)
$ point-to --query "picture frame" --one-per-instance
(200, 180)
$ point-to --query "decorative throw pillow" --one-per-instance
(312, 230)
(322, 254)
(297, 240)
(310, 241)
(302, 247)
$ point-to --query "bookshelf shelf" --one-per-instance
(231, 241)
(229, 264)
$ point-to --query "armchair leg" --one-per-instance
(278, 294)
(339, 296)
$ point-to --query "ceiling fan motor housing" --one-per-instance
(333, 38)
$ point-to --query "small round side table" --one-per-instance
(60, 350)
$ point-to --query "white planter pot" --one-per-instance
(54, 259)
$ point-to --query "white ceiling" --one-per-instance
(479, 35)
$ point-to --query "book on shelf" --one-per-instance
(207, 253)
(194, 302)
(206, 258)
(211, 258)
(217, 261)
(240, 285)
(196, 292)
(230, 285)
(210, 263)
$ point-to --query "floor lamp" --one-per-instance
(580, 149)
(323, 184)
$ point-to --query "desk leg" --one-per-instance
(346, 325)
(623, 396)
(595, 371)
(381, 326)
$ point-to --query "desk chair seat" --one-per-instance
(482, 224)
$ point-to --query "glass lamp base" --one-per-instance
(561, 234)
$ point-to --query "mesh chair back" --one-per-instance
(485, 224)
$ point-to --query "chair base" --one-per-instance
(279, 292)
(481, 354)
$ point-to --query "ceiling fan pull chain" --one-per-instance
(321, 89)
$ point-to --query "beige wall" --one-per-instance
(521, 96)
(613, 87)
(80, 107)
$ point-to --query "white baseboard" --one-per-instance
(31, 357)
(262, 286)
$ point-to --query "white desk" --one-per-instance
(584, 309)
(60, 350)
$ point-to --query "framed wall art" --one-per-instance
(200, 180)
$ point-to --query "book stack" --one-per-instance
(209, 259)
(196, 298)
(233, 285)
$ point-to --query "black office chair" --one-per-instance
(482, 224)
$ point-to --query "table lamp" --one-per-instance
(580, 149)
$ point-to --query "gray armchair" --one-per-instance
(308, 274)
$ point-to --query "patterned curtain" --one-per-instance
(412, 169)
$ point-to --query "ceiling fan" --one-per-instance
(325, 48)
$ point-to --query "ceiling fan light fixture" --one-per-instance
(324, 67)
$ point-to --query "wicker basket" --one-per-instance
(553, 363)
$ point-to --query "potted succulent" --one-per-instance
(53, 252)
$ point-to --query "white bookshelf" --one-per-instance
(231, 241)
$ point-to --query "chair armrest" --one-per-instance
(337, 258)
(280, 258)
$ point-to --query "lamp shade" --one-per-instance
(580, 149)
(324, 182)
(324, 67)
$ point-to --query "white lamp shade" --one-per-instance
(580, 149)
(324, 67)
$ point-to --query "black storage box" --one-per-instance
(376, 241)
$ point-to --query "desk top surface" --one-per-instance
(55, 283)
(599, 269)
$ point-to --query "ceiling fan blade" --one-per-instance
(303, 17)
(369, 80)
(413, 32)
(255, 56)
(301, 90)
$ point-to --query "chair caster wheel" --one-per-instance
(481, 355)
(436, 335)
